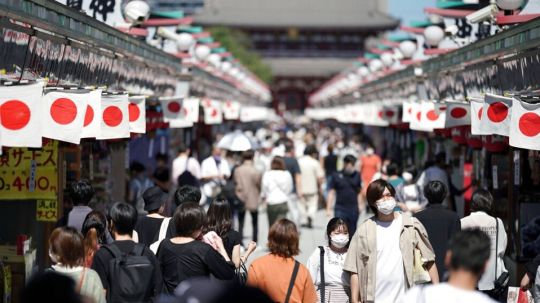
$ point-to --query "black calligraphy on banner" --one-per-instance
(102, 7)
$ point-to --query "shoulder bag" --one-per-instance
(293, 279)
(501, 283)
(420, 274)
(322, 284)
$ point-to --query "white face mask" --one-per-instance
(387, 206)
(340, 240)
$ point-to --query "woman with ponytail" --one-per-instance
(93, 230)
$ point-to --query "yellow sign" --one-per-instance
(29, 173)
(47, 210)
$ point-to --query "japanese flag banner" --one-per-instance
(525, 125)
(374, 115)
(417, 119)
(20, 115)
(497, 114)
(191, 109)
(407, 115)
(457, 114)
(172, 108)
(477, 113)
(231, 110)
(92, 116)
(355, 113)
(391, 114)
(433, 114)
(137, 114)
(212, 111)
(115, 117)
(63, 115)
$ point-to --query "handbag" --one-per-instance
(420, 274)
(501, 283)
(240, 273)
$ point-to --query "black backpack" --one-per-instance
(187, 178)
(131, 276)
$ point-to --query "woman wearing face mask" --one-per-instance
(381, 253)
(335, 287)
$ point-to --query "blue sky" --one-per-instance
(409, 10)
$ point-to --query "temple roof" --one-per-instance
(314, 67)
(349, 14)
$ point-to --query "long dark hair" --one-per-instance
(218, 218)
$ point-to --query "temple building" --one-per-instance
(304, 42)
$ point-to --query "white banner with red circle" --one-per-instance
(212, 111)
(231, 110)
(172, 109)
(525, 126)
(191, 109)
(497, 112)
(115, 117)
(20, 115)
(417, 118)
(63, 115)
(92, 116)
(137, 114)
(457, 114)
(477, 112)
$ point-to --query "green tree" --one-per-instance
(239, 44)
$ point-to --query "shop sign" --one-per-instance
(46, 210)
(29, 173)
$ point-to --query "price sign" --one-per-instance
(29, 173)
(46, 210)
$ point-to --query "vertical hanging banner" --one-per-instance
(525, 125)
(477, 113)
(212, 111)
(137, 114)
(20, 115)
(63, 115)
(29, 174)
(497, 113)
(457, 114)
(115, 117)
(417, 119)
(433, 114)
(191, 109)
(174, 112)
(407, 115)
(231, 110)
(92, 116)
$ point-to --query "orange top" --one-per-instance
(272, 274)
(368, 168)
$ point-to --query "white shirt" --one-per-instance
(276, 186)
(310, 171)
(444, 293)
(181, 163)
(209, 168)
(487, 224)
(333, 267)
(389, 274)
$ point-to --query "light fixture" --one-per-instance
(136, 12)
(482, 14)
(184, 42)
(214, 59)
(407, 48)
(363, 71)
(202, 52)
(226, 66)
(434, 35)
(387, 59)
(375, 65)
(509, 5)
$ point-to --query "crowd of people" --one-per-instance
(185, 238)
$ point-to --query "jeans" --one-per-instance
(254, 219)
(349, 215)
(276, 212)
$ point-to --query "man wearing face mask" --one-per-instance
(344, 187)
(381, 253)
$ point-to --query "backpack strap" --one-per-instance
(291, 283)
(323, 284)
(115, 251)
(138, 249)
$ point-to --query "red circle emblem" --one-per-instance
(497, 112)
(14, 114)
(89, 115)
(529, 124)
(63, 111)
(134, 112)
(112, 116)
(174, 107)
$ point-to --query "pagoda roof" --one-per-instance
(344, 14)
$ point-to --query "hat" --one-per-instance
(154, 198)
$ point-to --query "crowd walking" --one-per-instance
(389, 237)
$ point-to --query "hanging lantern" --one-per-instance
(509, 4)
(214, 59)
(184, 42)
(363, 71)
(407, 48)
(434, 35)
(375, 65)
(202, 52)
(387, 59)
(226, 66)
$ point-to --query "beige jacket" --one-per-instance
(362, 254)
(247, 181)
